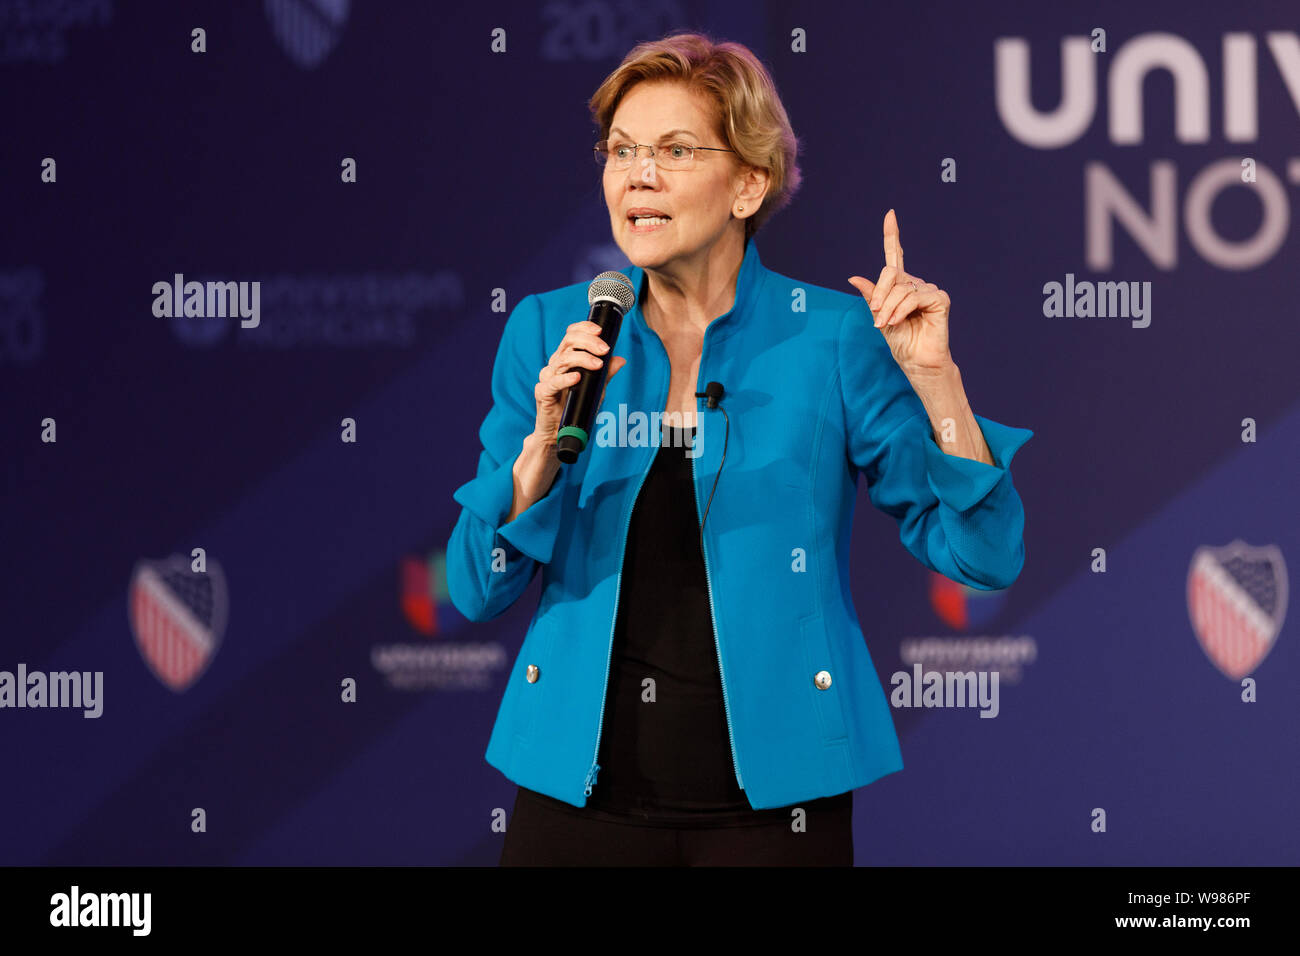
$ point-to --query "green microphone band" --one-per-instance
(575, 431)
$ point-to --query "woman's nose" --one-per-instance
(645, 170)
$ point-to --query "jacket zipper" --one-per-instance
(618, 587)
(708, 580)
(590, 781)
(726, 704)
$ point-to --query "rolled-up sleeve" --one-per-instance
(960, 517)
(490, 561)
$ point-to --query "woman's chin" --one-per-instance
(649, 250)
(645, 253)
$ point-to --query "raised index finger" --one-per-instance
(893, 248)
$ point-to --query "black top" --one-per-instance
(665, 753)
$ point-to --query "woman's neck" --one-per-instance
(685, 296)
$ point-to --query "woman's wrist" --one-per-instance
(534, 472)
(951, 419)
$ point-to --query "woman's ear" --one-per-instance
(753, 189)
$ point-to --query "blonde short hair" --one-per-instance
(748, 110)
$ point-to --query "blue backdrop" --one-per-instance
(1018, 146)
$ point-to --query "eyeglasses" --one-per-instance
(668, 156)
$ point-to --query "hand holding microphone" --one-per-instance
(581, 348)
(610, 296)
(564, 392)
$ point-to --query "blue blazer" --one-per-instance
(814, 397)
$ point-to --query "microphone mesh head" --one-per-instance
(613, 286)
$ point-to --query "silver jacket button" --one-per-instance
(822, 680)
(532, 673)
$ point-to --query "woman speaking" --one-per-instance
(694, 687)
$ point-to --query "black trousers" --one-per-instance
(540, 833)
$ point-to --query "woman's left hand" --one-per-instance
(912, 314)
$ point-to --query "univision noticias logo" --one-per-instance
(454, 661)
(426, 604)
(965, 609)
(962, 607)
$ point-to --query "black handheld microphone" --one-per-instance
(610, 296)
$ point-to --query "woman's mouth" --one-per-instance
(649, 223)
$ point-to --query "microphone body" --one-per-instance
(610, 296)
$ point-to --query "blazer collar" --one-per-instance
(747, 284)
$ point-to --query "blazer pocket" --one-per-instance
(826, 686)
(529, 676)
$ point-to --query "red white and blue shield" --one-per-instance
(1236, 597)
(178, 617)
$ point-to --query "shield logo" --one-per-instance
(178, 617)
(307, 30)
(1236, 598)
